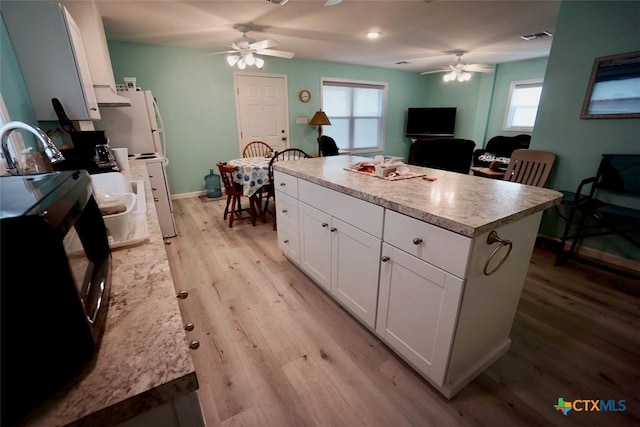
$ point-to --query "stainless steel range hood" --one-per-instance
(107, 97)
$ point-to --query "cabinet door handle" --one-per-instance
(333, 229)
(284, 211)
(282, 184)
(325, 225)
(385, 258)
(193, 345)
(417, 241)
(491, 239)
(189, 327)
(155, 199)
(183, 294)
(154, 188)
(286, 241)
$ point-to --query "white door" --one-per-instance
(262, 109)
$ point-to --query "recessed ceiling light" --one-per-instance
(373, 35)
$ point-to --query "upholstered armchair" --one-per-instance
(500, 146)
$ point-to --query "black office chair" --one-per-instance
(328, 146)
(450, 154)
(589, 215)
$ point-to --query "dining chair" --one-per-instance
(234, 194)
(288, 154)
(530, 167)
(256, 149)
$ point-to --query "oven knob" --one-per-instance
(193, 345)
(189, 327)
(183, 294)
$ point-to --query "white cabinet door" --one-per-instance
(161, 196)
(354, 276)
(417, 311)
(315, 244)
(51, 54)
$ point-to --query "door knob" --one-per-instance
(385, 258)
(284, 138)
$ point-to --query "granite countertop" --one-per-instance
(465, 204)
(144, 359)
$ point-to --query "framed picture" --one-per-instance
(614, 88)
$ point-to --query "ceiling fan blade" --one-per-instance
(332, 2)
(218, 53)
(479, 68)
(278, 53)
(433, 72)
(263, 44)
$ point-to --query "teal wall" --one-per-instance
(195, 95)
(585, 30)
(12, 86)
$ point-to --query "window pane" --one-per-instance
(524, 98)
(366, 132)
(336, 101)
(367, 102)
(339, 130)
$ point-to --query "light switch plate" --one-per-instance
(302, 120)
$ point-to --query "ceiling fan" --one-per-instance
(460, 70)
(246, 49)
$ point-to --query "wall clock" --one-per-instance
(304, 95)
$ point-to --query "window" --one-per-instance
(357, 112)
(522, 105)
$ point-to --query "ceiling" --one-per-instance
(420, 32)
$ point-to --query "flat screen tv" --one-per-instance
(438, 121)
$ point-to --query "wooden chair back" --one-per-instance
(530, 167)
(256, 149)
(226, 176)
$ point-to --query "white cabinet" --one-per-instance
(417, 311)
(49, 48)
(288, 230)
(161, 196)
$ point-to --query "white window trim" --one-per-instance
(385, 100)
(505, 126)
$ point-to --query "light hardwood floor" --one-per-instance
(275, 350)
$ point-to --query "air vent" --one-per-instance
(536, 36)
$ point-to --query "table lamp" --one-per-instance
(319, 119)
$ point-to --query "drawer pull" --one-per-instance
(183, 294)
(284, 211)
(417, 241)
(194, 345)
(491, 239)
(282, 184)
(325, 225)
(189, 327)
(285, 241)
(333, 229)
(385, 258)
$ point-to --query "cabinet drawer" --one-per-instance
(363, 215)
(444, 249)
(289, 242)
(286, 210)
(285, 183)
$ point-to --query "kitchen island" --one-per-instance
(143, 365)
(433, 265)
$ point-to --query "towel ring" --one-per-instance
(491, 239)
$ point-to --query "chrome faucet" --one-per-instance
(49, 147)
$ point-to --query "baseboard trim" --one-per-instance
(597, 255)
(188, 195)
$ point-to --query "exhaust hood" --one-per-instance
(107, 97)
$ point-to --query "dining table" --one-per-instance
(252, 173)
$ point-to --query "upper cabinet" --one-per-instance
(50, 50)
(88, 18)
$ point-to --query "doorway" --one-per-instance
(262, 109)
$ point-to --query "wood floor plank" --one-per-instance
(276, 350)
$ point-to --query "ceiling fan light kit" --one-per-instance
(246, 50)
(460, 70)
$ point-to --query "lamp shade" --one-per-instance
(319, 119)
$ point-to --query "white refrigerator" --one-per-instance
(139, 128)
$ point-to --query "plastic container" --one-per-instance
(120, 225)
(212, 185)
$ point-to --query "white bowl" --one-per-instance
(120, 225)
(402, 170)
